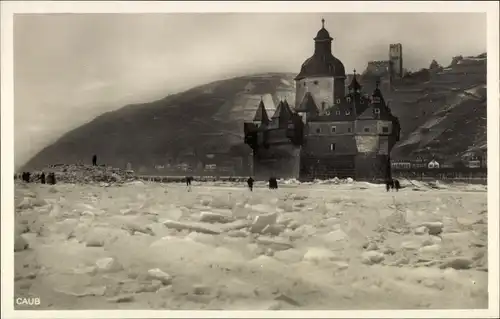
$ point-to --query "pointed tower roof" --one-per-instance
(261, 114)
(354, 85)
(281, 111)
(307, 105)
(377, 94)
(377, 108)
(287, 106)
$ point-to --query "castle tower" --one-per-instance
(322, 76)
(261, 116)
(354, 96)
(374, 138)
(283, 114)
(354, 86)
(396, 60)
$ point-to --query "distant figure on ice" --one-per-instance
(42, 178)
(273, 183)
(250, 183)
(94, 160)
(397, 185)
(26, 177)
(188, 180)
(51, 179)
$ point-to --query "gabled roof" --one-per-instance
(377, 110)
(368, 114)
(358, 101)
(307, 105)
(261, 114)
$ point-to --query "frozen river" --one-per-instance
(314, 246)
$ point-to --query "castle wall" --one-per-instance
(277, 136)
(374, 127)
(321, 89)
(384, 145)
(280, 161)
(321, 146)
(327, 167)
(372, 167)
(367, 144)
(384, 124)
(326, 128)
(377, 67)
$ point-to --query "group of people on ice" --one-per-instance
(272, 183)
(392, 184)
(50, 179)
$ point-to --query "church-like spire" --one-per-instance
(354, 86)
(377, 97)
(261, 114)
(323, 41)
(322, 63)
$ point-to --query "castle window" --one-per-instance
(327, 112)
(367, 130)
(332, 147)
(347, 112)
(349, 130)
(304, 83)
(348, 99)
(385, 129)
(337, 112)
(315, 82)
(334, 129)
(377, 111)
(361, 101)
(318, 130)
(338, 101)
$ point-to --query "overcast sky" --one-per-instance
(69, 68)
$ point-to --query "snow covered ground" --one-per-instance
(304, 246)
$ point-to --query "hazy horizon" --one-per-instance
(69, 68)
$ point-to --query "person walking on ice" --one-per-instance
(250, 183)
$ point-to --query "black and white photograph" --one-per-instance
(239, 156)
